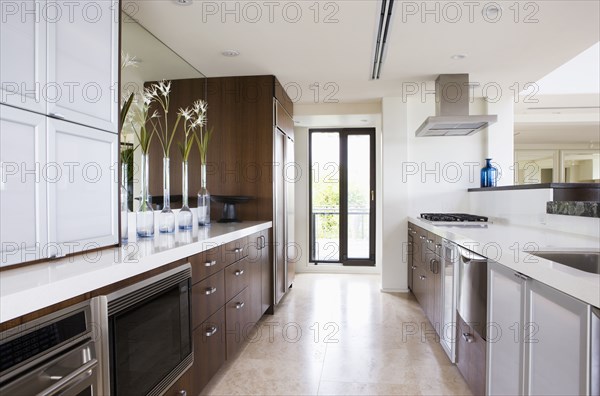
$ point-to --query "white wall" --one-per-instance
(500, 139)
(327, 114)
(417, 175)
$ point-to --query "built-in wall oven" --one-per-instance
(148, 334)
(57, 354)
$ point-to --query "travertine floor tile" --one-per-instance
(340, 335)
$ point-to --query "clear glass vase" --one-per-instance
(144, 217)
(166, 218)
(203, 199)
(124, 204)
(184, 218)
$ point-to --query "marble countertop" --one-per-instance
(509, 245)
(29, 288)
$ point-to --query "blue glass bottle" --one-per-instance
(489, 174)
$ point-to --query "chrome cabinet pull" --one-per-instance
(468, 337)
(422, 277)
(210, 290)
(182, 392)
(413, 232)
(210, 331)
(210, 263)
(238, 272)
(422, 237)
(239, 305)
(438, 245)
(237, 250)
(413, 267)
(429, 240)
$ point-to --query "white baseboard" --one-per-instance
(388, 290)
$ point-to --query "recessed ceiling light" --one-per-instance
(230, 53)
(458, 56)
(183, 2)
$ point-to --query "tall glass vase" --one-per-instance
(166, 218)
(203, 199)
(184, 218)
(124, 204)
(144, 217)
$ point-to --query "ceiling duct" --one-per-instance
(452, 98)
(383, 28)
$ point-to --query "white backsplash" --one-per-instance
(528, 208)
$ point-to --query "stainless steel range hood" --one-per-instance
(452, 117)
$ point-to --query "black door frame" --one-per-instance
(343, 193)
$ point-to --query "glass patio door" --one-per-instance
(342, 196)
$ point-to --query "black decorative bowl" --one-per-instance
(229, 202)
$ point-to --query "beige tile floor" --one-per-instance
(340, 335)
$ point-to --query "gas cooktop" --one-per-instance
(454, 217)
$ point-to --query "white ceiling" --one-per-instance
(301, 49)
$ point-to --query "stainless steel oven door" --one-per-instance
(72, 374)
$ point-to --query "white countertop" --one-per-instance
(508, 245)
(29, 288)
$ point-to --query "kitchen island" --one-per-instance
(511, 245)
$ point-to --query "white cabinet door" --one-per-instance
(557, 347)
(505, 354)
(23, 55)
(23, 228)
(82, 187)
(83, 62)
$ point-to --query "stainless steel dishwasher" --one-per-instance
(472, 293)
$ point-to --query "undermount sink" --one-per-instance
(583, 261)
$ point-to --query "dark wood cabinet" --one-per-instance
(207, 297)
(238, 322)
(228, 285)
(209, 350)
(252, 122)
(183, 386)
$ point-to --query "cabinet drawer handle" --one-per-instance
(413, 232)
(210, 263)
(209, 331)
(239, 305)
(409, 243)
(422, 277)
(438, 245)
(468, 337)
(421, 237)
(413, 267)
(429, 240)
(210, 290)
(57, 115)
(238, 272)
(237, 250)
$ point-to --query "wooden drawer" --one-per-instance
(237, 277)
(207, 297)
(235, 250)
(209, 350)
(183, 384)
(206, 263)
(238, 324)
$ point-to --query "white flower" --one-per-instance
(185, 113)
